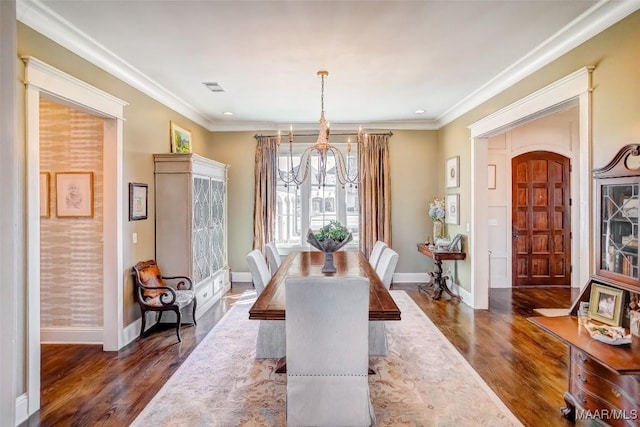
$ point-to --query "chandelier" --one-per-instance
(346, 169)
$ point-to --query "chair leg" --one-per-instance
(142, 323)
(195, 304)
(178, 322)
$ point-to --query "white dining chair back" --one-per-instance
(271, 341)
(273, 257)
(260, 274)
(327, 352)
(376, 252)
(387, 266)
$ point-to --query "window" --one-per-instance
(311, 206)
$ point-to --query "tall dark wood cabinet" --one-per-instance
(604, 380)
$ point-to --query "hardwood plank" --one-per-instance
(525, 366)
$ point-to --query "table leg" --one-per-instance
(440, 283)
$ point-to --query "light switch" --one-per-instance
(134, 238)
(468, 228)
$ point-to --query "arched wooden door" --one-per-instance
(541, 220)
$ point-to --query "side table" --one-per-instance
(438, 257)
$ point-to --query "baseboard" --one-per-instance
(71, 335)
(410, 277)
(241, 277)
(22, 409)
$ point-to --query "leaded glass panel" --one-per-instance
(201, 228)
(217, 224)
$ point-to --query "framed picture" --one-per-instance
(180, 139)
(45, 211)
(453, 170)
(456, 243)
(138, 201)
(491, 177)
(452, 212)
(605, 304)
(74, 194)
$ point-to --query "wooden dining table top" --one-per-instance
(271, 304)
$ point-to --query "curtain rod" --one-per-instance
(286, 135)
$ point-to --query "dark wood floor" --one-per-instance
(527, 369)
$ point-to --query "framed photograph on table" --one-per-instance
(45, 211)
(453, 172)
(138, 201)
(605, 304)
(180, 139)
(452, 211)
(74, 194)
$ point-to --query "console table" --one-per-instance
(438, 256)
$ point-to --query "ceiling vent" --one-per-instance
(213, 86)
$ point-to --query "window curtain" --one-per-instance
(375, 192)
(264, 208)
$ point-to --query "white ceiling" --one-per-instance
(386, 59)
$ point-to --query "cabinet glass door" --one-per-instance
(619, 228)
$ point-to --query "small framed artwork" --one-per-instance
(491, 176)
(74, 194)
(605, 304)
(452, 211)
(453, 172)
(138, 201)
(180, 139)
(45, 211)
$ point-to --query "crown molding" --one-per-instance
(313, 126)
(38, 16)
(35, 14)
(593, 21)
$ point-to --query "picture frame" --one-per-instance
(74, 194)
(453, 172)
(452, 209)
(491, 177)
(605, 304)
(138, 201)
(456, 243)
(180, 139)
(45, 208)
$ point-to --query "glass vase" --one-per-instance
(438, 229)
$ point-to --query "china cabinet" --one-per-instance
(191, 223)
(604, 379)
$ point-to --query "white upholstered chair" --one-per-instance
(377, 250)
(377, 330)
(271, 333)
(327, 357)
(273, 257)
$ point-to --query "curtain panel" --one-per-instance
(264, 208)
(374, 192)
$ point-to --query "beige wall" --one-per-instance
(616, 104)
(146, 131)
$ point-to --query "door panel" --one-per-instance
(541, 225)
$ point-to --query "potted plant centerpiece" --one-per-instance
(329, 239)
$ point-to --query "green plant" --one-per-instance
(334, 231)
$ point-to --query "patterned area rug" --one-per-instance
(552, 312)
(423, 381)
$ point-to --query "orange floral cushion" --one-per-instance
(149, 275)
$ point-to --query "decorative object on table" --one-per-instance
(605, 304)
(74, 194)
(442, 244)
(437, 214)
(614, 335)
(456, 243)
(634, 323)
(180, 139)
(329, 239)
(453, 172)
(452, 210)
(138, 201)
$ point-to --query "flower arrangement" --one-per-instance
(334, 231)
(436, 209)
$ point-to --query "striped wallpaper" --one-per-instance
(71, 252)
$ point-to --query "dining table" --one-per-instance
(271, 304)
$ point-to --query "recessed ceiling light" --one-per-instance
(213, 86)
(228, 113)
(421, 111)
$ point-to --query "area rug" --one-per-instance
(423, 381)
(552, 312)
